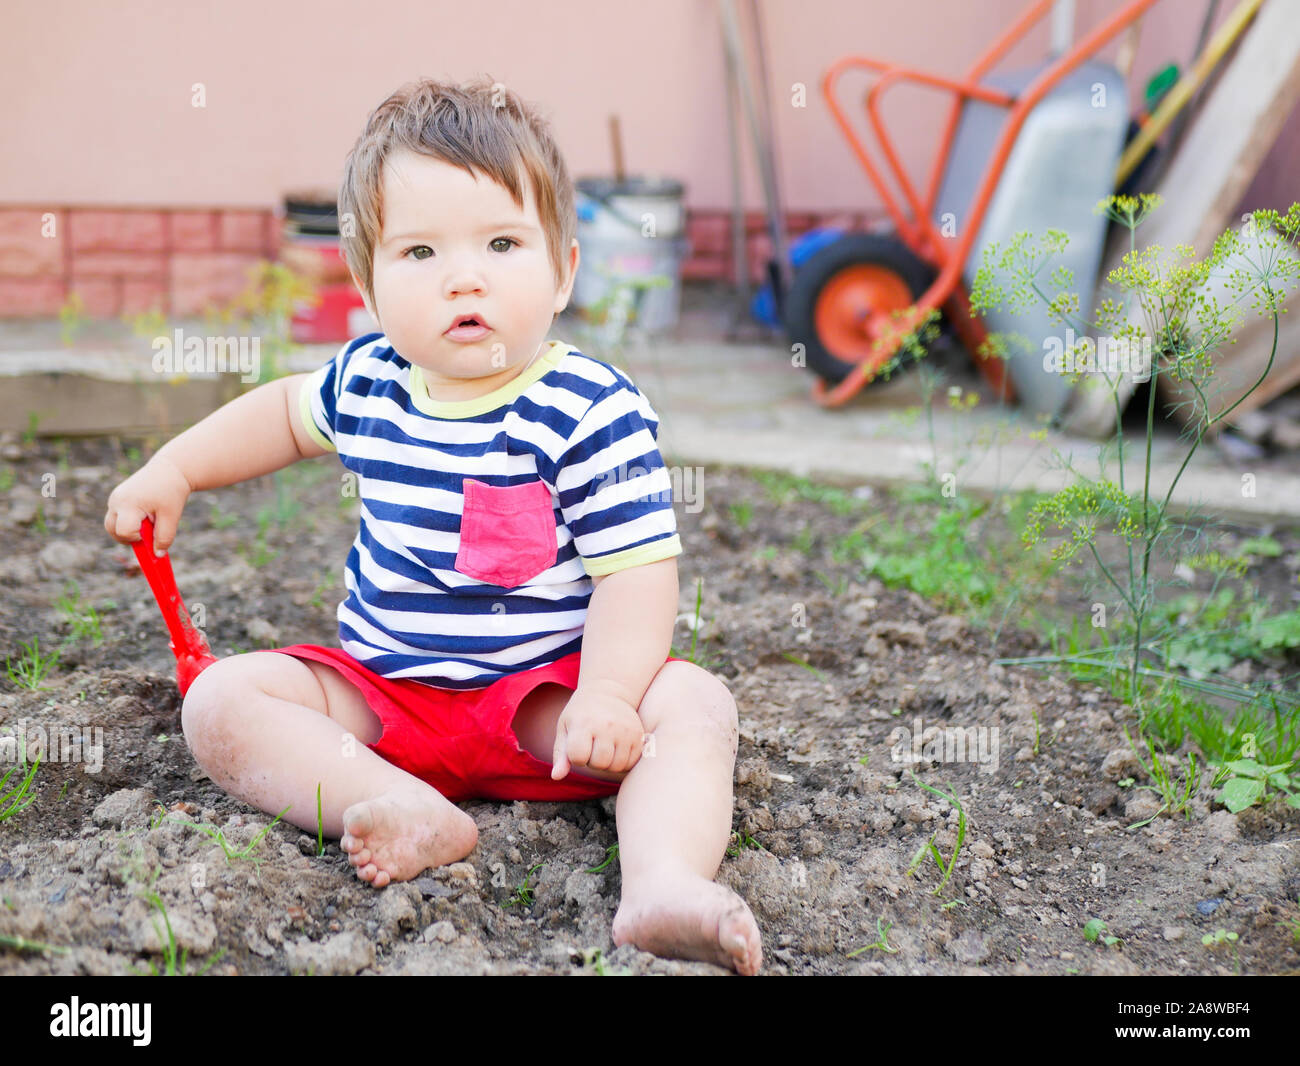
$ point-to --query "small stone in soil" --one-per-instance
(442, 932)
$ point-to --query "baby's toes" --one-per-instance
(359, 858)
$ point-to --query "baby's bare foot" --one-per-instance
(690, 918)
(399, 835)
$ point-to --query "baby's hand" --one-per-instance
(596, 730)
(158, 490)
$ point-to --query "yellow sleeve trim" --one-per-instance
(638, 556)
(304, 409)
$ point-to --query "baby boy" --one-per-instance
(512, 588)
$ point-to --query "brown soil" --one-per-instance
(1047, 845)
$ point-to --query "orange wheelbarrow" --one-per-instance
(854, 301)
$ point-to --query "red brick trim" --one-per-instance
(128, 259)
(124, 259)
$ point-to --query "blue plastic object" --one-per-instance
(763, 305)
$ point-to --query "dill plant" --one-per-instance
(1181, 311)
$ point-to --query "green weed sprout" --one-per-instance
(320, 824)
(610, 853)
(1094, 931)
(11, 800)
(882, 942)
(71, 318)
(1222, 936)
(524, 893)
(1292, 925)
(326, 580)
(260, 552)
(218, 519)
(740, 841)
(32, 667)
(1174, 801)
(945, 867)
(82, 617)
(268, 301)
(837, 588)
(805, 664)
(18, 943)
(1247, 782)
(174, 965)
(33, 421)
(146, 323)
(219, 837)
(695, 629)
(593, 958)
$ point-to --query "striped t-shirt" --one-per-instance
(483, 521)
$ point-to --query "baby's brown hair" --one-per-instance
(480, 125)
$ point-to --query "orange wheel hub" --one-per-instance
(855, 309)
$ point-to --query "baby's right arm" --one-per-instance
(255, 434)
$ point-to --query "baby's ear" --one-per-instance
(364, 298)
(571, 270)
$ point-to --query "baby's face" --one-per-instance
(454, 245)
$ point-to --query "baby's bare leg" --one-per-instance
(269, 728)
(674, 820)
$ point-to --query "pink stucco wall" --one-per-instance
(98, 95)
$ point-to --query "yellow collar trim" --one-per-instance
(511, 390)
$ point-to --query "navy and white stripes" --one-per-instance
(422, 603)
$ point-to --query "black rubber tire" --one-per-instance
(816, 271)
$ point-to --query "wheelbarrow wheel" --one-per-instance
(843, 298)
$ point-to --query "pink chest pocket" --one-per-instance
(507, 532)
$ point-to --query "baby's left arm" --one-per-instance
(628, 635)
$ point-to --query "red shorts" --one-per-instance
(462, 741)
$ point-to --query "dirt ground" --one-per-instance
(827, 839)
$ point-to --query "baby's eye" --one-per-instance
(418, 247)
(509, 241)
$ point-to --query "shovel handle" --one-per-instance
(187, 643)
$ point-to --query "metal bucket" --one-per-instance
(631, 236)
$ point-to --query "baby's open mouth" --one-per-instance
(468, 323)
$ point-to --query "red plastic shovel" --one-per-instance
(193, 655)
